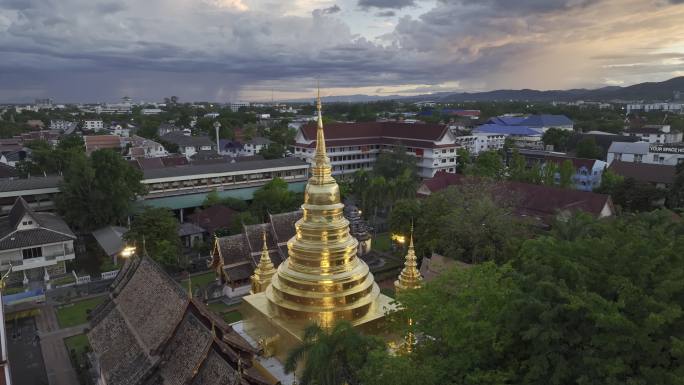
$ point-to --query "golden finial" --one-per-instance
(321, 170)
(410, 277)
(189, 286)
(265, 270)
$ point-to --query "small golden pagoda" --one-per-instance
(323, 280)
(264, 270)
(410, 277)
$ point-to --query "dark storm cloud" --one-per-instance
(386, 14)
(520, 6)
(394, 4)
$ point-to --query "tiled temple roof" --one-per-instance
(284, 225)
(151, 333)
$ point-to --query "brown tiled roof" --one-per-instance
(213, 218)
(96, 142)
(531, 199)
(644, 172)
(174, 160)
(577, 163)
(233, 249)
(170, 347)
(122, 358)
(185, 349)
(283, 225)
(379, 140)
(152, 303)
(239, 272)
(254, 237)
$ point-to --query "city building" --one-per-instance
(323, 280)
(235, 106)
(189, 145)
(641, 152)
(150, 111)
(63, 125)
(93, 125)
(36, 245)
(150, 330)
(354, 146)
(145, 148)
(659, 175)
(166, 128)
(656, 133)
(540, 123)
(647, 107)
(588, 172)
(523, 134)
(99, 142)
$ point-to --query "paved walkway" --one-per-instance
(55, 355)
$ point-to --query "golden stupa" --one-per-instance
(323, 280)
(410, 277)
(264, 270)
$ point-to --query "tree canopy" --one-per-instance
(274, 197)
(156, 230)
(98, 190)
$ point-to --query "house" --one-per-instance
(150, 330)
(213, 218)
(166, 128)
(110, 239)
(189, 145)
(538, 202)
(588, 172)
(99, 142)
(656, 133)
(190, 234)
(354, 146)
(36, 245)
(642, 152)
(236, 148)
(120, 130)
(659, 175)
(145, 148)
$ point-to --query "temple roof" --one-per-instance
(150, 332)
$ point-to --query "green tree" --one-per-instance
(548, 173)
(488, 164)
(558, 138)
(98, 191)
(676, 192)
(156, 230)
(242, 219)
(390, 164)
(517, 170)
(274, 197)
(273, 151)
(587, 148)
(566, 172)
(464, 160)
(331, 357)
(404, 212)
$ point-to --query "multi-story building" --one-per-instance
(151, 111)
(480, 142)
(237, 148)
(145, 148)
(93, 124)
(235, 106)
(354, 146)
(669, 107)
(36, 245)
(539, 123)
(642, 152)
(62, 125)
(656, 133)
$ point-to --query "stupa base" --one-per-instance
(279, 335)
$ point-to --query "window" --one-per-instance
(638, 158)
(33, 252)
(618, 156)
(655, 157)
(26, 223)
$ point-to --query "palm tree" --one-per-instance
(331, 356)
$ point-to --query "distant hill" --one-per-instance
(651, 91)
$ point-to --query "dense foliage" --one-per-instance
(155, 232)
(98, 190)
(592, 302)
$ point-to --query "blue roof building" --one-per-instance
(506, 130)
(543, 121)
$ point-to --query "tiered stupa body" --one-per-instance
(323, 280)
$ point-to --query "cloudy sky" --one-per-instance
(220, 50)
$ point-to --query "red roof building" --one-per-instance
(213, 218)
(531, 200)
(353, 146)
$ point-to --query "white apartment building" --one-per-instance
(62, 125)
(478, 143)
(671, 107)
(354, 146)
(643, 152)
(656, 134)
(120, 130)
(235, 106)
(93, 124)
(151, 111)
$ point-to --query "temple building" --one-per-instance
(322, 280)
(235, 257)
(150, 331)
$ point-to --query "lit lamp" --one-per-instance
(128, 252)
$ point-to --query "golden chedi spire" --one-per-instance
(410, 277)
(322, 280)
(264, 270)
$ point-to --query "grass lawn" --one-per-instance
(201, 280)
(13, 290)
(78, 343)
(76, 313)
(232, 316)
(382, 242)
